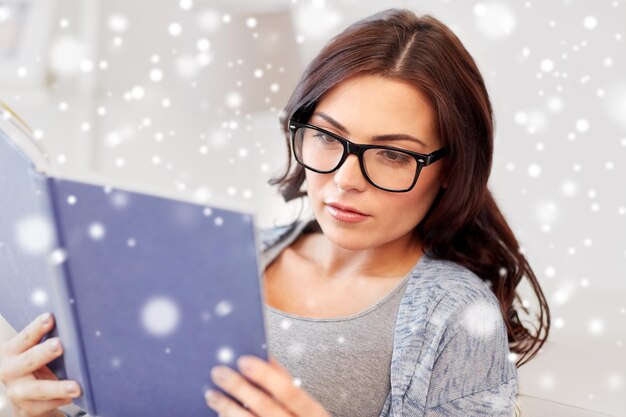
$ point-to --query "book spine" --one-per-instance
(67, 319)
(260, 267)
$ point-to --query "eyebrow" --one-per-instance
(380, 138)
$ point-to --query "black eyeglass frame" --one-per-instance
(422, 160)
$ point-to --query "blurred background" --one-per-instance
(184, 97)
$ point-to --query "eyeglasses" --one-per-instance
(385, 167)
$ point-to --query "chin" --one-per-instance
(348, 236)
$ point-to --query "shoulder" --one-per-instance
(447, 301)
(449, 289)
(466, 307)
(270, 236)
(451, 276)
(443, 299)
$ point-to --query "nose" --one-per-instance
(349, 175)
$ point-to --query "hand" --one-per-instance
(279, 397)
(32, 388)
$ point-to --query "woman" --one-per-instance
(396, 298)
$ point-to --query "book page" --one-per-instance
(21, 135)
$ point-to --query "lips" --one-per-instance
(346, 208)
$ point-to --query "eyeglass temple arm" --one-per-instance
(435, 156)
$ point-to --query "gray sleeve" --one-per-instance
(472, 374)
(493, 402)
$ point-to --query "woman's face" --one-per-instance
(367, 106)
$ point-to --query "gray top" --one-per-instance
(340, 361)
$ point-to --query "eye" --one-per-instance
(394, 157)
(324, 138)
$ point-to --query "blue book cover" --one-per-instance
(149, 293)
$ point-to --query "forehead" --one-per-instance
(373, 105)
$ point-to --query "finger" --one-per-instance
(255, 399)
(37, 408)
(225, 406)
(38, 390)
(30, 335)
(278, 366)
(45, 373)
(280, 385)
(33, 359)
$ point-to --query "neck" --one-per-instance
(393, 259)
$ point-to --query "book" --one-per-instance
(148, 292)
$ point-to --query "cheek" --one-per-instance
(312, 186)
(411, 207)
(405, 207)
(315, 181)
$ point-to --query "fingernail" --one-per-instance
(219, 374)
(72, 389)
(54, 345)
(45, 318)
(212, 397)
(245, 363)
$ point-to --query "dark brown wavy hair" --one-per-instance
(464, 223)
